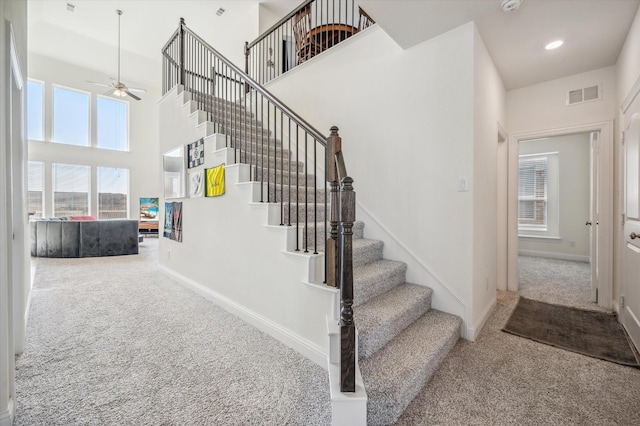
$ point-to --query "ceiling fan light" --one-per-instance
(119, 92)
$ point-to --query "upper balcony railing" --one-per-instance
(308, 30)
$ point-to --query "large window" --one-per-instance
(112, 124)
(35, 186)
(113, 193)
(70, 190)
(532, 192)
(35, 108)
(70, 116)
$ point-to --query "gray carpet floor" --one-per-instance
(112, 341)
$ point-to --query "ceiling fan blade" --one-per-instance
(109, 92)
(132, 95)
(99, 84)
(136, 90)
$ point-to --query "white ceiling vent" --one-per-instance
(586, 94)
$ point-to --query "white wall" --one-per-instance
(12, 13)
(229, 255)
(406, 118)
(574, 197)
(628, 64)
(543, 106)
(141, 160)
(489, 101)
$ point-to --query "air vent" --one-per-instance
(586, 94)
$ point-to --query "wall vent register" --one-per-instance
(586, 94)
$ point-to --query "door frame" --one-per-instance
(605, 200)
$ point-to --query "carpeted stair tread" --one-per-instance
(395, 374)
(375, 278)
(383, 317)
(366, 251)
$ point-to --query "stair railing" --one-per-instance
(311, 28)
(285, 154)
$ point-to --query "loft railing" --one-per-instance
(308, 30)
(291, 159)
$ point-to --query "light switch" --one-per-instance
(463, 184)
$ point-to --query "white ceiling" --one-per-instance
(593, 30)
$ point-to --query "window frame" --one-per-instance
(43, 183)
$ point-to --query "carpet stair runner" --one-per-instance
(402, 341)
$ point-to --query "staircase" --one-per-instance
(401, 340)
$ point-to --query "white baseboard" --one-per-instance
(552, 255)
(474, 332)
(6, 417)
(294, 341)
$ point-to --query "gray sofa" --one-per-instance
(55, 237)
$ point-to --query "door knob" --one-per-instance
(588, 223)
(633, 235)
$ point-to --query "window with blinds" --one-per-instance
(113, 193)
(35, 188)
(71, 185)
(532, 192)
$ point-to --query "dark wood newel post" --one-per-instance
(347, 324)
(246, 64)
(334, 145)
(182, 50)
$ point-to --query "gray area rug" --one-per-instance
(591, 333)
(112, 341)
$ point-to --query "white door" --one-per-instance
(630, 291)
(594, 219)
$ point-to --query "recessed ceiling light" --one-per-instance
(71, 7)
(220, 11)
(554, 44)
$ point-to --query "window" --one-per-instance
(70, 190)
(532, 192)
(70, 116)
(538, 195)
(35, 186)
(112, 124)
(35, 108)
(113, 193)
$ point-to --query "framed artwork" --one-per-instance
(214, 181)
(196, 184)
(176, 229)
(149, 209)
(168, 219)
(195, 153)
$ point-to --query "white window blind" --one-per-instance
(113, 193)
(35, 188)
(532, 192)
(70, 189)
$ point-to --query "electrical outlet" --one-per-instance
(463, 184)
(168, 254)
(572, 243)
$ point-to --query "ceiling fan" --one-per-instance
(117, 87)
